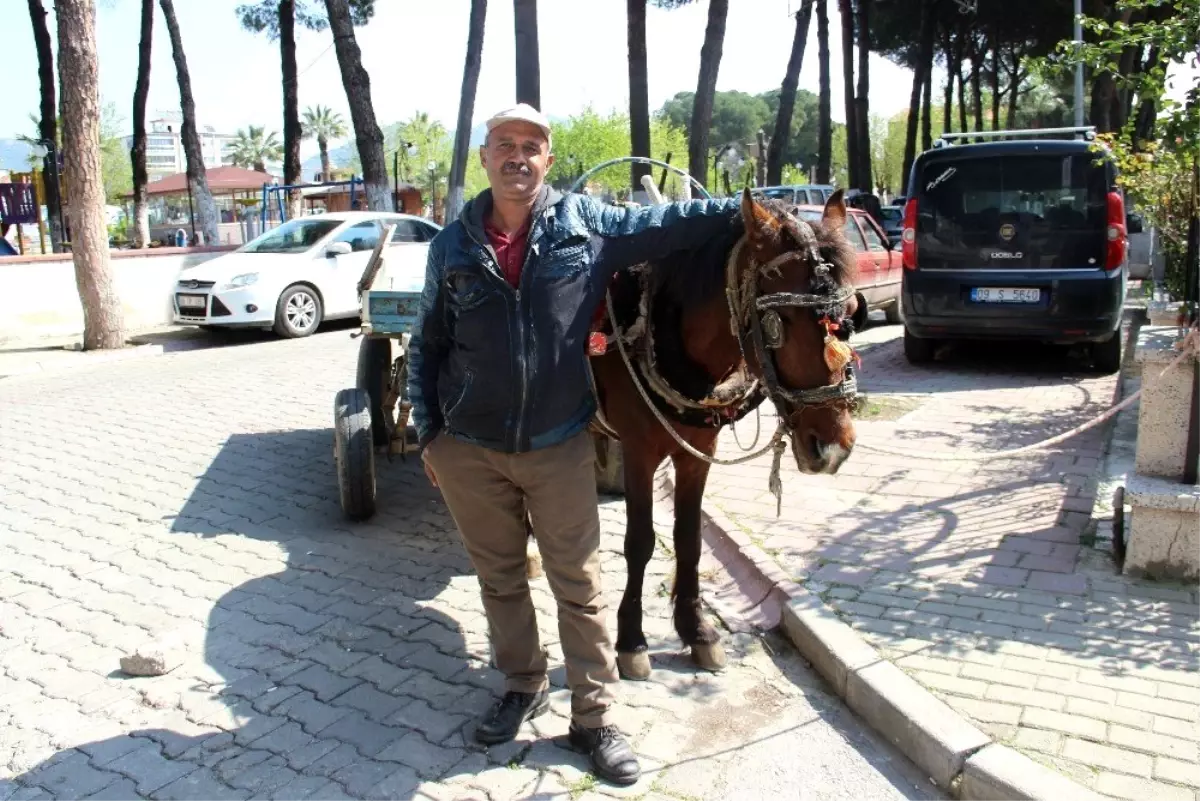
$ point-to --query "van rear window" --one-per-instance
(1016, 211)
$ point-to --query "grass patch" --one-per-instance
(883, 407)
(586, 783)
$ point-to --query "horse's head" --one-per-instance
(796, 287)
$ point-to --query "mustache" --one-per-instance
(515, 168)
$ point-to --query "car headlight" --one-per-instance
(239, 281)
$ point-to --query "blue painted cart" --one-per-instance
(373, 416)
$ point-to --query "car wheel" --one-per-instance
(298, 313)
(894, 313)
(918, 351)
(1106, 355)
(862, 314)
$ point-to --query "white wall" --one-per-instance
(39, 298)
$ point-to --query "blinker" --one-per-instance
(772, 328)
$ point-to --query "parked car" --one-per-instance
(878, 282)
(893, 222)
(1019, 239)
(294, 277)
(797, 194)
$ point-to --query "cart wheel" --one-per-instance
(374, 368)
(610, 466)
(354, 454)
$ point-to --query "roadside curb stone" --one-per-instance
(925, 729)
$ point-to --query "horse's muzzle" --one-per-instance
(815, 456)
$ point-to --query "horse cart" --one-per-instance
(372, 417)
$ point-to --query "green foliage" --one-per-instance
(589, 138)
(115, 165)
(252, 147)
(322, 122)
(433, 143)
(263, 16)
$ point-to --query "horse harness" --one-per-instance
(756, 324)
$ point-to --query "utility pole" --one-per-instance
(1078, 65)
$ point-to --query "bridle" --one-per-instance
(758, 327)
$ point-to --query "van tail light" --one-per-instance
(1118, 238)
(909, 236)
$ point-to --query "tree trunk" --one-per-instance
(977, 93)
(292, 132)
(962, 93)
(1128, 65)
(852, 130)
(466, 110)
(706, 87)
(1014, 88)
(825, 121)
(927, 104)
(206, 209)
(48, 124)
(357, 83)
(639, 90)
(79, 72)
(920, 76)
(997, 92)
(862, 109)
(948, 47)
(1148, 110)
(529, 71)
(787, 95)
(326, 170)
(1103, 88)
(137, 153)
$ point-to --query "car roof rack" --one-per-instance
(1086, 132)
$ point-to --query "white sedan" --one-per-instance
(293, 277)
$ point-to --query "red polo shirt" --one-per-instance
(510, 250)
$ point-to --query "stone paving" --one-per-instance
(190, 499)
(977, 578)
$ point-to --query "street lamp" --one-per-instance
(432, 167)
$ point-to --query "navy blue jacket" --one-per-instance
(505, 368)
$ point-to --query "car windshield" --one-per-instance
(294, 236)
(778, 193)
(1028, 210)
(891, 214)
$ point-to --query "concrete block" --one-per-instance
(833, 648)
(998, 773)
(926, 730)
(1165, 404)
(1164, 536)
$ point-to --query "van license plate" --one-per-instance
(991, 294)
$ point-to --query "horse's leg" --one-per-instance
(691, 474)
(633, 658)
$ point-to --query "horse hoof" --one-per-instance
(709, 656)
(634, 666)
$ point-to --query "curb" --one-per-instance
(956, 755)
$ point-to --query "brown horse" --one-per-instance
(759, 312)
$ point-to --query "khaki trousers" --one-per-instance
(487, 493)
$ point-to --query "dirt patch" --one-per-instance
(884, 407)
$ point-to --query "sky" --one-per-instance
(414, 54)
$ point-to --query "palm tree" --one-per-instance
(323, 124)
(706, 88)
(787, 95)
(357, 83)
(137, 153)
(254, 147)
(529, 77)
(824, 112)
(79, 72)
(48, 124)
(197, 177)
(466, 111)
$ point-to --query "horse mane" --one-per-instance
(690, 278)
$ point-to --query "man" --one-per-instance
(501, 402)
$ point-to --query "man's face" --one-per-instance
(517, 158)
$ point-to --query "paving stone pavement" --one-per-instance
(190, 499)
(976, 577)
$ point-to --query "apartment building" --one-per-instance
(164, 147)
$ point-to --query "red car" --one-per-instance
(879, 267)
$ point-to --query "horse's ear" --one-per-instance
(835, 210)
(760, 224)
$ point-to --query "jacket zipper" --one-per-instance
(521, 356)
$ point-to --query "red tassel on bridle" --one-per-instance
(837, 353)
